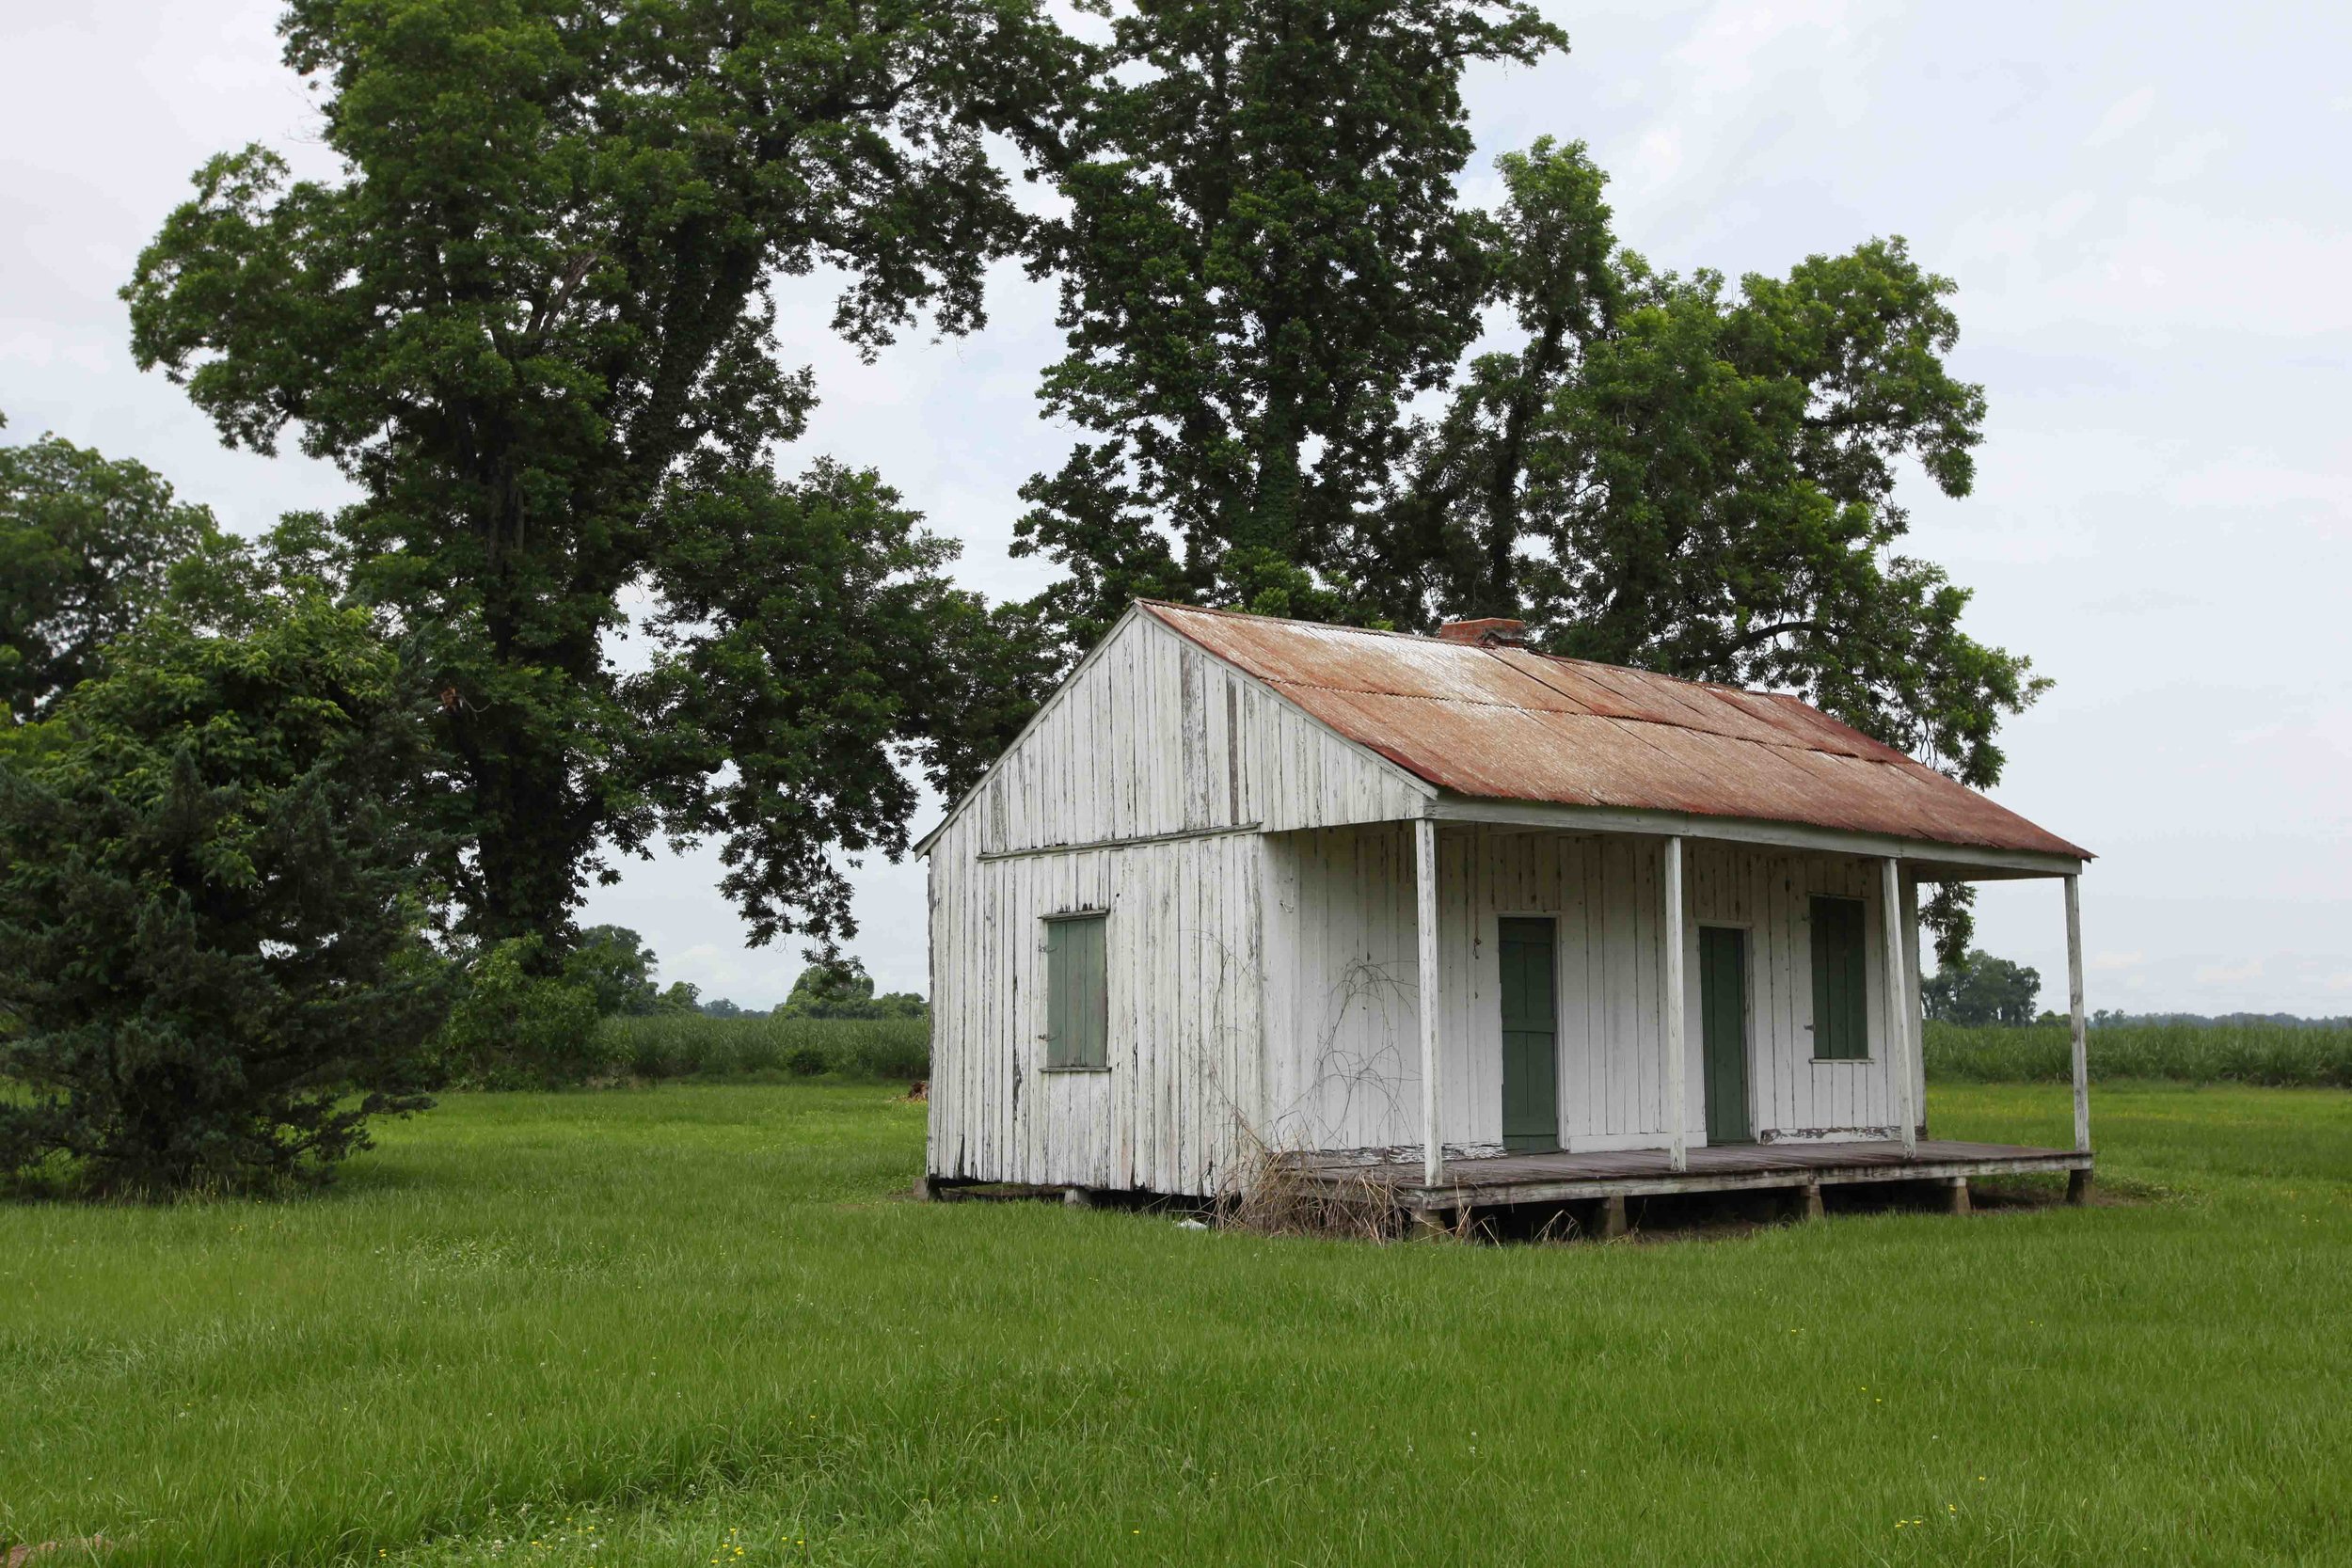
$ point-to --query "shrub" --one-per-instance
(514, 1027)
(209, 932)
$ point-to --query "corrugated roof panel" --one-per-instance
(1505, 724)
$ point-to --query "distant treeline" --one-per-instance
(2285, 1052)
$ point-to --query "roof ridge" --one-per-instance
(1476, 647)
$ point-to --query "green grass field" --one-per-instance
(696, 1324)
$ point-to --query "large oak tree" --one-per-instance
(1260, 259)
(532, 319)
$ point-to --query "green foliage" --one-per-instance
(840, 988)
(1657, 470)
(532, 321)
(515, 1025)
(1262, 257)
(613, 965)
(210, 911)
(671, 1045)
(2270, 1054)
(698, 1314)
(1982, 989)
(801, 629)
(86, 547)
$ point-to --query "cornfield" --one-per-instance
(2273, 1054)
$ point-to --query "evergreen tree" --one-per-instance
(211, 910)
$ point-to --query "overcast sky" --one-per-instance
(2147, 212)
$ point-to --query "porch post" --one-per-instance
(1425, 928)
(1898, 1001)
(2074, 1007)
(1915, 1014)
(1678, 1045)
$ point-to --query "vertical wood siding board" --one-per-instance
(1457, 953)
(980, 1065)
(1167, 1043)
(1652, 868)
(1640, 1071)
(1104, 1090)
(1278, 944)
(1100, 749)
(942, 994)
(958, 1123)
(1144, 697)
(1604, 1118)
(1037, 1092)
(1614, 983)
(1152, 1127)
(1649, 1098)
(1199, 903)
(1028, 997)
(1592, 1113)
(1228, 708)
(1193, 742)
(1187, 959)
(1576, 1048)
(1170, 688)
(1457, 1072)
(1134, 740)
(1183, 1014)
(1785, 975)
(1250, 1037)
(1133, 901)
(1249, 992)
(998, 1023)
(982, 1068)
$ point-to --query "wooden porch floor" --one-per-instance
(1644, 1173)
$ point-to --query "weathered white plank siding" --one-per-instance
(1153, 737)
(1343, 1067)
(1182, 967)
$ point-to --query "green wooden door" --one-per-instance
(1723, 1032)
(1530, 1036)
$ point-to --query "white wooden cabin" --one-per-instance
(1493, 925)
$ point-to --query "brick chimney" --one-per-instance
(1492, 632)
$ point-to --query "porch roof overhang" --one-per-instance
(1923, 859)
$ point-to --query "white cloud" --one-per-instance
(2117, 960)
(2229, 974)
(2125, 116)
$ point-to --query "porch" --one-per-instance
(1802, 1168)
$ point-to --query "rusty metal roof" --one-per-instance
(1508, 723)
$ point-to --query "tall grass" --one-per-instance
(661, 1328)
(2269, 1054)
(688, 1045)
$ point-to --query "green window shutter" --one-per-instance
(1077, 993)
(1841, 1026)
